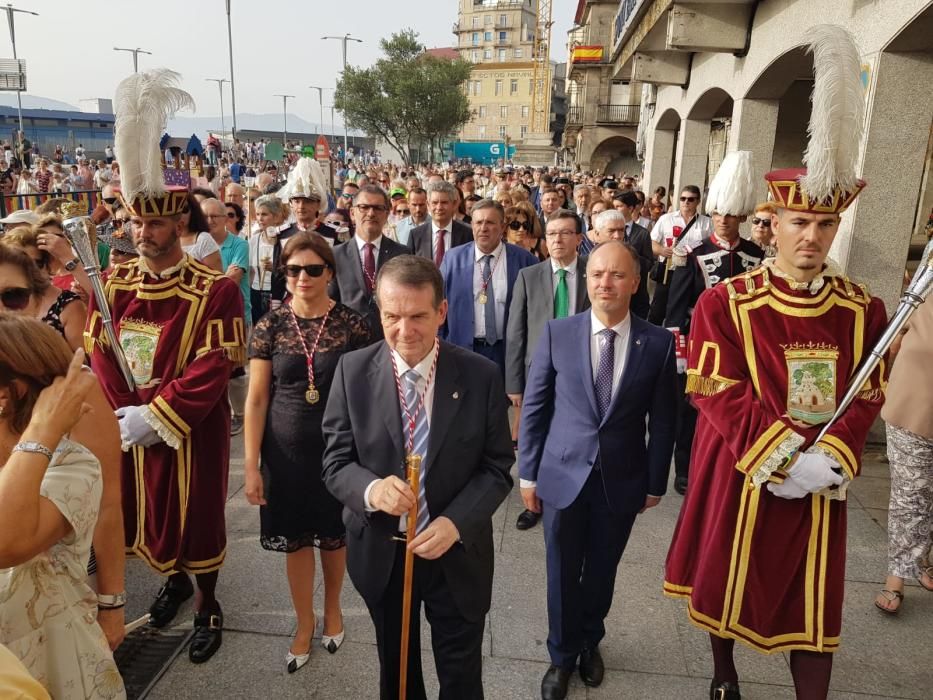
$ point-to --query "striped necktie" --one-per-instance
(420, 444)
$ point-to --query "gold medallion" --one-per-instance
(482, 298)
(312, 395)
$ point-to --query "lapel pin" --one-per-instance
(637, 341)
(456, 395)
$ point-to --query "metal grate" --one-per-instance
(145, 656)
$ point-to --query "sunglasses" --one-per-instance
(110, 200)
(310, 270)
(402, 212)
(761, 222)
(517, 225)
(15, 298)
(689, 199)
(231, 215)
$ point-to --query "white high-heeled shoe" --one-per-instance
(332, 644)
(295, 661)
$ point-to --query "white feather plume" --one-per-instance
(306, 179)
(144, 102)
(732, 190)
(838, 112)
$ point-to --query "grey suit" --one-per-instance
(532, 307)
(348, 285)
(420, 240)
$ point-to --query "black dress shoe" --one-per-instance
(167, 602)
(554, 684)
(527, 520)
(724, 690)
(592, 669)
(680, 484)
(208, 634)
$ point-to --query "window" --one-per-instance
(475, 22)
(524, 130)
(474, 55)
(503, 20)
(481, 131)
(502, 54)
(487, 19)
(477, 87)
(504, 112)
(503, 37)
(487, 36)
(513, 86)
(482, 111)
(518, 53)
(502, 131)
(487, 54)
(475, 38)
(524, 111)
(498, 90)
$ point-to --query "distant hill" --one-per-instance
(8, 99)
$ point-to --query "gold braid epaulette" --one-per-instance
(750, 284)
(707, 386)
(853, 290)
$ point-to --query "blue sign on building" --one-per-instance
(483, 152)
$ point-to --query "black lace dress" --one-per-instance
(300, 511)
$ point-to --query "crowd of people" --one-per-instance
(369, 336)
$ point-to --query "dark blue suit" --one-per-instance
(593, 474)
(457, 271)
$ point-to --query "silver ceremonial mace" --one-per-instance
(76, 232)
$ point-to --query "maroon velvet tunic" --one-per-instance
(182, 333)
(767, 366)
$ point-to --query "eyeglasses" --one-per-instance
(560, 234)
(15, 298)
(231, 215)
(110, 200)
(518, 225)
(366, 208)
(689, 199)
(310, 270)
(761, 222)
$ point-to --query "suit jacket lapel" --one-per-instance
(586, 362)
(353, 251)
(633, 360)
(448, 395)
(581, 287)
(385, 396)
(384, 252)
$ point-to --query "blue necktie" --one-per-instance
(420, 444)
(604, 371)
(492, 335)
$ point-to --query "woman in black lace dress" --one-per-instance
(293, 355)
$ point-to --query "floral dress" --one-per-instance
(48, 613)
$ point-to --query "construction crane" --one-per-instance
(541, 79)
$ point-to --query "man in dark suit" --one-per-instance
(372, 420)
(478, 282)
(360, 258)
(555, 288)
(596, 382)
(613, 224)
(434, 238)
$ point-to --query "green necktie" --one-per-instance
(561, 296)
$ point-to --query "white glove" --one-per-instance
(815, 471)
(788, 489)
(134, 430)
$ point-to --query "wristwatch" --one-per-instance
(111, 602)
(71, 264)
(30, 446)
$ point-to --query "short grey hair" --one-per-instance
(581, 188)
(604, 218)
(488, 203)
(273, 204)
(444, 187)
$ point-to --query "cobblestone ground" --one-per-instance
(651, 651)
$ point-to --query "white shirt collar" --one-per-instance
(360, 243)
(621, 328)
(479, 255)
(423, 368)
(435, 228)
(570, 267)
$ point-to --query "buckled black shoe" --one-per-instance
(527, 520)
(592, 668)
(167, 603)
(680, 484)
(208, 634)
(724, 690)
(555, 682)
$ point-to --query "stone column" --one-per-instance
(692, 155)
(659, 159)
(754, 123)
(875, 232)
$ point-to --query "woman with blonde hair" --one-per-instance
(50, 494)
(264, 251)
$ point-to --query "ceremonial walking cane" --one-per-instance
(413, 464)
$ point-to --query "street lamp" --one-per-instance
(344, 39)
(320, 101)
(331, 108)
(232, 86)
(9, 9)
(220, 84)
(135, 53)
(285, 99)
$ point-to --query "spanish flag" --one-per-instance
(587, 54)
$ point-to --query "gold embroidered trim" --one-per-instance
(875, 394)
(707, 386)
(783, 451)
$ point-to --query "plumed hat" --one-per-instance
(144, 103)
(829, 182)
(306, 180)
(732, 190)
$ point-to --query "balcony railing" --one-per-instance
(575, 115)
(618, 114)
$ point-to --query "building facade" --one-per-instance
(730, 76)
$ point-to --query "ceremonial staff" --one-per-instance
(413, 465)
(76, 231)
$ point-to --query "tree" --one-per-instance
(409, 98)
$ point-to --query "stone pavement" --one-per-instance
(651, 650)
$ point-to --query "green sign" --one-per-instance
(274, 151)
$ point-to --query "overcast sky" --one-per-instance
(69, 53)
